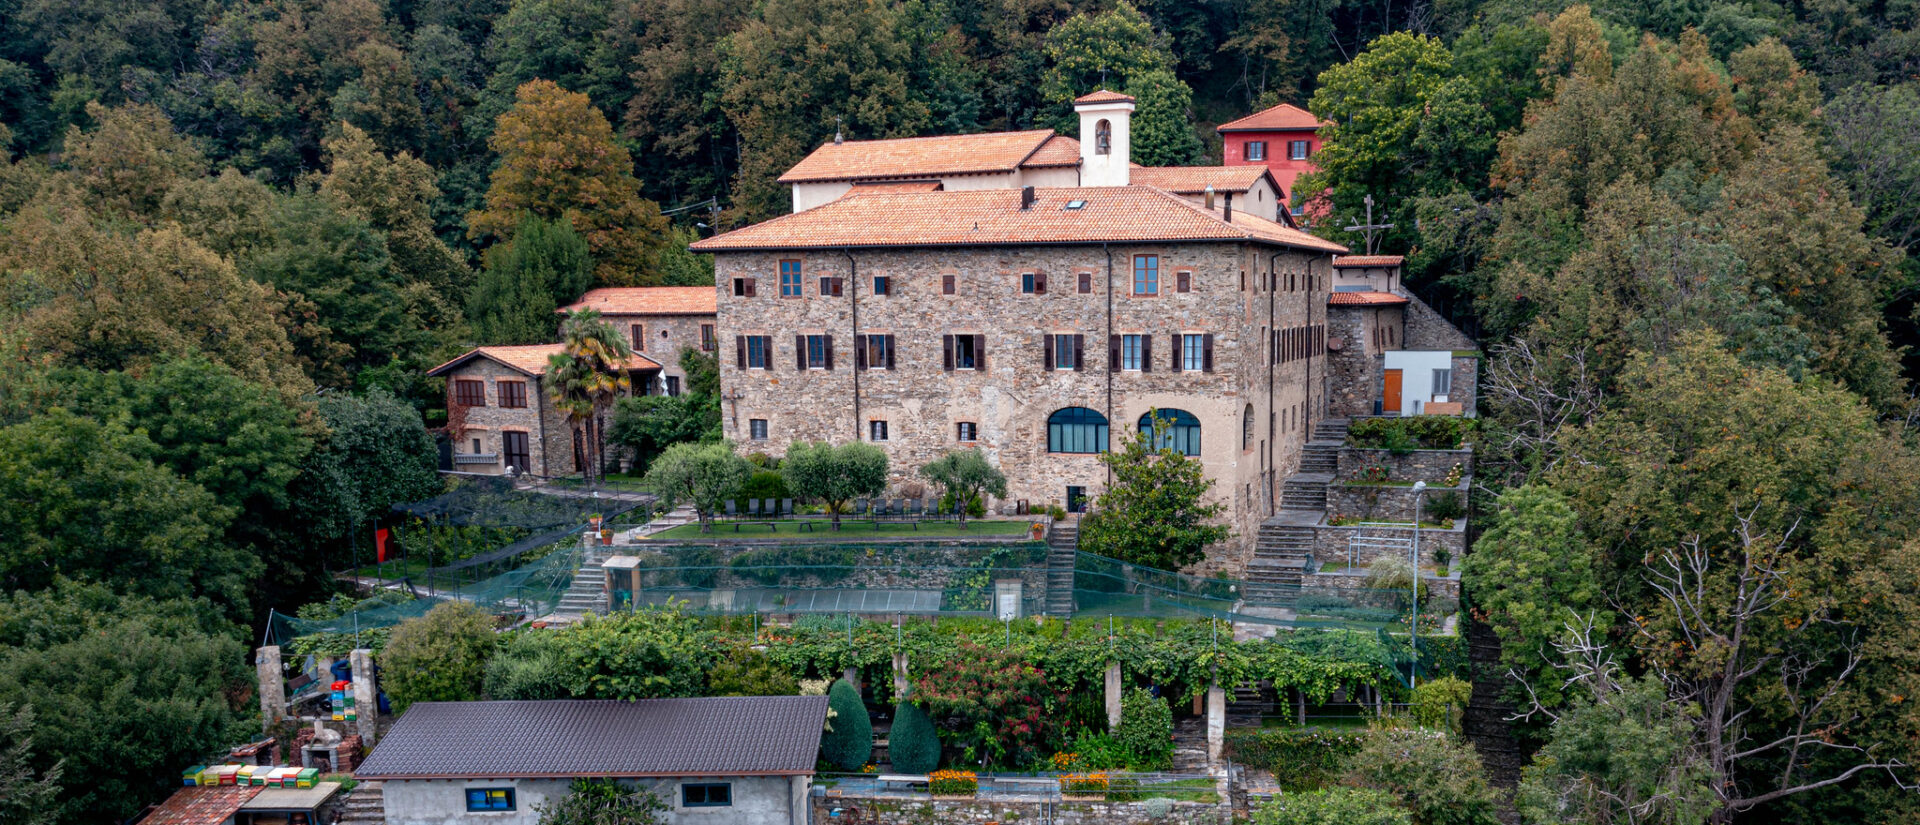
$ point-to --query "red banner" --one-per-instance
(380, 543)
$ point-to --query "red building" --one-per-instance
(1283, 138)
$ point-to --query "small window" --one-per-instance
(1086, 283)
(965, 357)
(946, 285)
(476, 446)
(1026, 284)
(1146, 274)
(878, 352)
(830, 286)
(1130, 357)
(707, 338)
(513, 394)
(1297, 150)
(757, 429)
(1183, 281)
(816, 352)
(706, 794)
(1064, 352)
(877, 430)
(1256, 150)
(470, 393)
(789, 279)
(480, 800)
(639, 335)
(1246, 429)
(1443, 382)
(1193, 353)
(673, 385)
(965, 431)
(882, 285)
(743, 287)
(1076, 204)
(1103, 138)
(757, 347)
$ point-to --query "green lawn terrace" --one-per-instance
(814, 529)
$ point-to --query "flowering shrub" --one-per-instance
(1084, 784)
(998, 701)
(1454, 475)
(1375, 474)
(953, 783)
(1065, 761)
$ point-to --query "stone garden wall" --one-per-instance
(848, 564)
(1330, 542)
(982, 812)
(1381, 502)
(1430, 466)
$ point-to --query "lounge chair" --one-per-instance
(731, 513)
(786, 508)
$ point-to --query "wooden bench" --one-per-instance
(908, 779)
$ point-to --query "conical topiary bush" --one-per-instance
(914, 745)
(848, 741)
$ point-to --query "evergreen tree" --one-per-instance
(1154, 514)
(914, 744)
(848, 742)
(546, 265)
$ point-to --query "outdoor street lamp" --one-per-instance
(1413, 628)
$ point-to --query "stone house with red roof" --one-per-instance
(1039, 325)
(500, 420)
(659, 322)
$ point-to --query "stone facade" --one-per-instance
(1354, 367)
(1254, 413)
(1443, 591)
(662, 338)
(1430, 466)
(479, 433)
(885, 811)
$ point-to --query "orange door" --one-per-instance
(1390, 394)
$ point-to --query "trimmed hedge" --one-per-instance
(849, 742)
(1301, 759)
(913, 746)
(1420, 432)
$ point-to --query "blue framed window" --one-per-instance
(1026, 283)
(757, 346)
(1193, 353)
(480, 800)
(1076, 430)
(789, 279)
(816, 352)
(1182, 432)
(706, 794)
(1146, 274)
(1130, 352)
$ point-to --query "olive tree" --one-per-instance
(965, 474)
(835, 475)
(704, 475)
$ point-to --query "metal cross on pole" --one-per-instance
(1369, 227)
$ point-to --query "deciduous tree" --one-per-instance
(704, 475)
(965, 475)
(835, 475)
(1155, 512)
(439, 657)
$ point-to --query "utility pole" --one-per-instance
(1369, 228)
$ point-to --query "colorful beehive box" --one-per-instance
(210, 775)
(307, 777)
(245, 775)
(229, 774)
(192, 775)
(282, 777)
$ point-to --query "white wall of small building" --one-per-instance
(757, 800)
(1416, 375)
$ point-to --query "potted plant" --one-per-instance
(1039, 531)
(952, 784)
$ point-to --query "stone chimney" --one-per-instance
(1105, 138)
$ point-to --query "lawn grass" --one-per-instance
(1179, 790)
(1341, 567)
(850, 529)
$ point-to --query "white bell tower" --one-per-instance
(1105, 138)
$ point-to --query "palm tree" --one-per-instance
(587, 375)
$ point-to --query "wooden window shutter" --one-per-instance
(1046, 351)
(979, 353)
(859, 354)
(828, 346)
(800, 351)
(749, 281)
(1086, 282)
(889, 352)
(1206, 353)
(1183, 281)
(1113, 353)
(1079, 352)
(1178, 351)
(1039, 283)
(838, 284)
(1146, 353)
(946, 347)
(946, 284)
(740, 351)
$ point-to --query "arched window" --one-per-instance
(1103, 138)
(1246, 429)
(1076, 430)
(1183, 431)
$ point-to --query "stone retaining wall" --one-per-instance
(1377, 502)
(982, 812)
(1430, 466)
(1330, 542)
(906, 565)
(1345, 584)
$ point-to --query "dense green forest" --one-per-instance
(233, 236)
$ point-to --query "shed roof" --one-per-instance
(292, 799)
(712, 736)
(1193, 180)
(201, 805)
(993, 217)
(529, 359)
(1355, 261)
(1364, 299)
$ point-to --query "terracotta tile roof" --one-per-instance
(647, 300)
(530, 359)
(1363, 299)
(1102, 96)
(713, 736)
(895, 186)
(1059, 150)
(1283, 116)
(204, 805)
(918, 157)
(993, 217)
(1193, 180)
(1368, 260)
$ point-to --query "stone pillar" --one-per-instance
(852, 675)
(366, 701)
(1113, 697)
(899, 677)
(1216, 724)
(273, 687)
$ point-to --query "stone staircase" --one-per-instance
(1063, 539)
(1322, 451)
(588, 593)
(364, 806)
